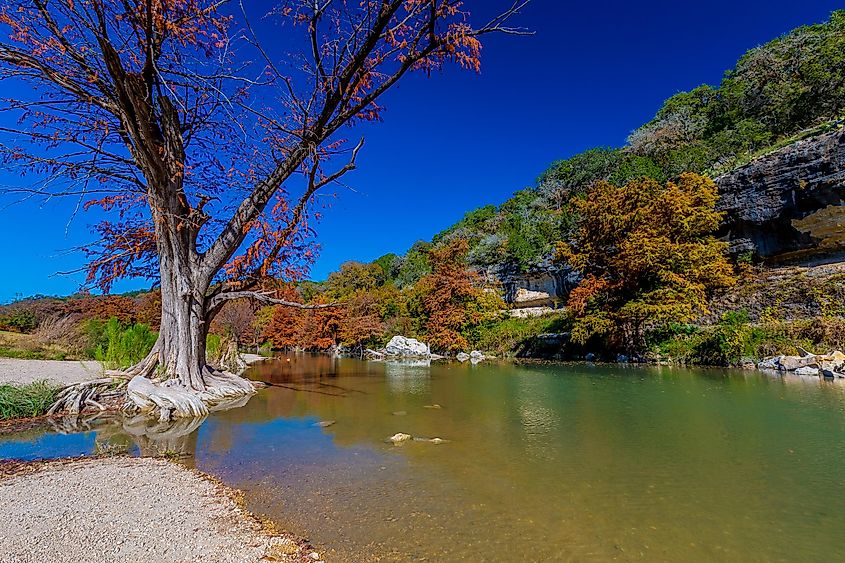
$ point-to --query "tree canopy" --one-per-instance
(647, 256)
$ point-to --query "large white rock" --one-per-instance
(525, 296)
(406, 347)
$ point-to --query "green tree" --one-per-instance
(414, 265)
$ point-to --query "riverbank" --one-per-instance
(131, 509)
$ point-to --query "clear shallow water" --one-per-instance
(543, 462)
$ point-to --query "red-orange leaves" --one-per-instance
(452, 300)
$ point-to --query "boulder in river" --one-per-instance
(792, 363)
(462, 356)
(403, 347)
(770, 363)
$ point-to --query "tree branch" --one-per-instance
(216, 302)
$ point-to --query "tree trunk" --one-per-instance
(183, 325)
(188, 386)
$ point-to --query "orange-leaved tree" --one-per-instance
(206, 143)
(647, 255)
(452, 300)
(283, 325)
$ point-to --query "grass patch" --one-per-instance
(31, 354)
(27, 347)
(213, 347)
(25, 401)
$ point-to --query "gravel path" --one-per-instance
(14, 370)
(129, 509)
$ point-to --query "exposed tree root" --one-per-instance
(211, 389)
(170, 399)
(74, 398)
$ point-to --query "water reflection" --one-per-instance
(409, 376)
(569, 462)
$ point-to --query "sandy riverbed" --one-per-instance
(13, 370)
(130, 509)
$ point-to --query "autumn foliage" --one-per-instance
(452, 299)
(442, 308)
(647, 255)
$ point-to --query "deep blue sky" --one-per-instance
(593, 72)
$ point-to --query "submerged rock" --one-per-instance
(325, 423)
(431, 440)
(747, 363)
(399, 438)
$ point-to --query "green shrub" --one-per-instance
(508, 335)
(734, 337)
(729, 341)
(119, 345)
(19, 319)
(23, 401)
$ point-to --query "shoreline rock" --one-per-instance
(808, 364)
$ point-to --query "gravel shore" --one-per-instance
(14, 370)
(130, 509)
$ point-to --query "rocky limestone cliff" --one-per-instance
(789, 203)
(548, 285)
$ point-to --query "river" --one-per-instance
(539, 461)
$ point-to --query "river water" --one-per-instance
(540, 462)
